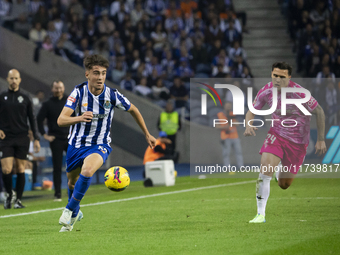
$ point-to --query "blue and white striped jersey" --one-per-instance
(98, 130)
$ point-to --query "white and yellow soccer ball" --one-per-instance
(117, 178)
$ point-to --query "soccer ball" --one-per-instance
(117, 178)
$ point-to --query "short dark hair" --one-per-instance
(283, 66)
(95, 60)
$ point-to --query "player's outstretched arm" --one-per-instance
(249, 130)
(140, 121)
(320, 146)
(65, 119)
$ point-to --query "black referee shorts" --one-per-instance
(16, 147)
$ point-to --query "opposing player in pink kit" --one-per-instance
(285, 144)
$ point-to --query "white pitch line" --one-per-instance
(133, 198)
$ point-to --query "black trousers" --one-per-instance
(173, 140)
(57, 148)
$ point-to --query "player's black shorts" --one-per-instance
(16, 147)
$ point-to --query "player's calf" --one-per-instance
(285, 183)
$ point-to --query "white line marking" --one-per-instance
(134, 198)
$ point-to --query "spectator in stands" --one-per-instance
(75, 29)
(118, 72)
(229, 137)
(170, 123)
(160, 94)
(37, 34)
(172, 20)
(183, 40)
(116, 7)
(136, 14)
(47, 44)
(237, 50)
(76, 8)
(199, 57)
(119, 17)
(19, 7)
(53, 33)
(142, 89)
(90, 30)
(223, 60)
(128, 83)
(41, 16)
(82, 51)
(238, 66)
(99, 7)
(325, 73)
(135, 62)
(184, 70)
(168, 65)
(21, 26)
(105, 26)
(331, 99)
(213, 32)
(154, 65)
(337, 67)
(220, 73)
(101, 47)
(57, 136)
(159, 37)
(319, 14)
(155, 9)
(35, 5)
(179, 93)
(231, 34)
(5, 10)
(65, 48)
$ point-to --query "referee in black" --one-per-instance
(15, 108)
(57, 136)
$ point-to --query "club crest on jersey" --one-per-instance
(20, 99)
(107, 105)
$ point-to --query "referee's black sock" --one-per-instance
(20, 185)
(7, 178)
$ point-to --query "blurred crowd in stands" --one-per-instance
(154, 46)
(314, 27)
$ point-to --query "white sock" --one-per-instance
(278, 171)
(262, 193)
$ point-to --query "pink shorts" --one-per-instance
(292, 154)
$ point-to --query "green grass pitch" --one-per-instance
(303, 219)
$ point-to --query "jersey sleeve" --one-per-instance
(73, 99)
(120, 101)
(260, 99)
(311, 104)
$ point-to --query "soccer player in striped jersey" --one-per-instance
(89, 111)
(287, 145)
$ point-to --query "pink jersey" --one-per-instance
(298, 134)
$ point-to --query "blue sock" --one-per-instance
(80, 189)
(70, 192)
(75, 212)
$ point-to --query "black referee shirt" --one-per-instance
(15, 108)
(51, 110)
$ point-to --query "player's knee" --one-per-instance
(88, 171)
(6, 170)
(70, 185)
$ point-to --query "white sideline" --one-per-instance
(133, 198)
